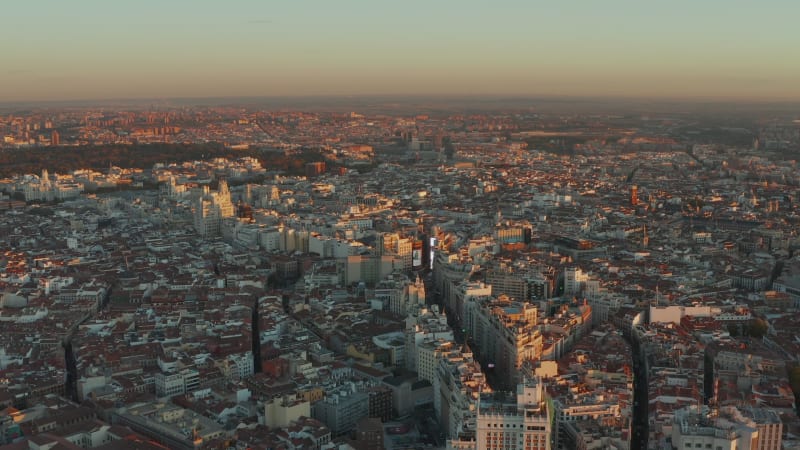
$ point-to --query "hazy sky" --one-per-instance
(92, 49)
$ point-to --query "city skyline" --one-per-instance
(89, 50)
(458, 275)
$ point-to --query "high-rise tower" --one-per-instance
(516, 422)
(211, 208)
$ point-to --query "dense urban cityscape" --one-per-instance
(399, 277)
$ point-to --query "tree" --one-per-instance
(794, 379)
(794, 382)
(758, 328)
(449, 148)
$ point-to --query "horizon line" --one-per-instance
(419, 97)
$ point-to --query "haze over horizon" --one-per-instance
(93, 50)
